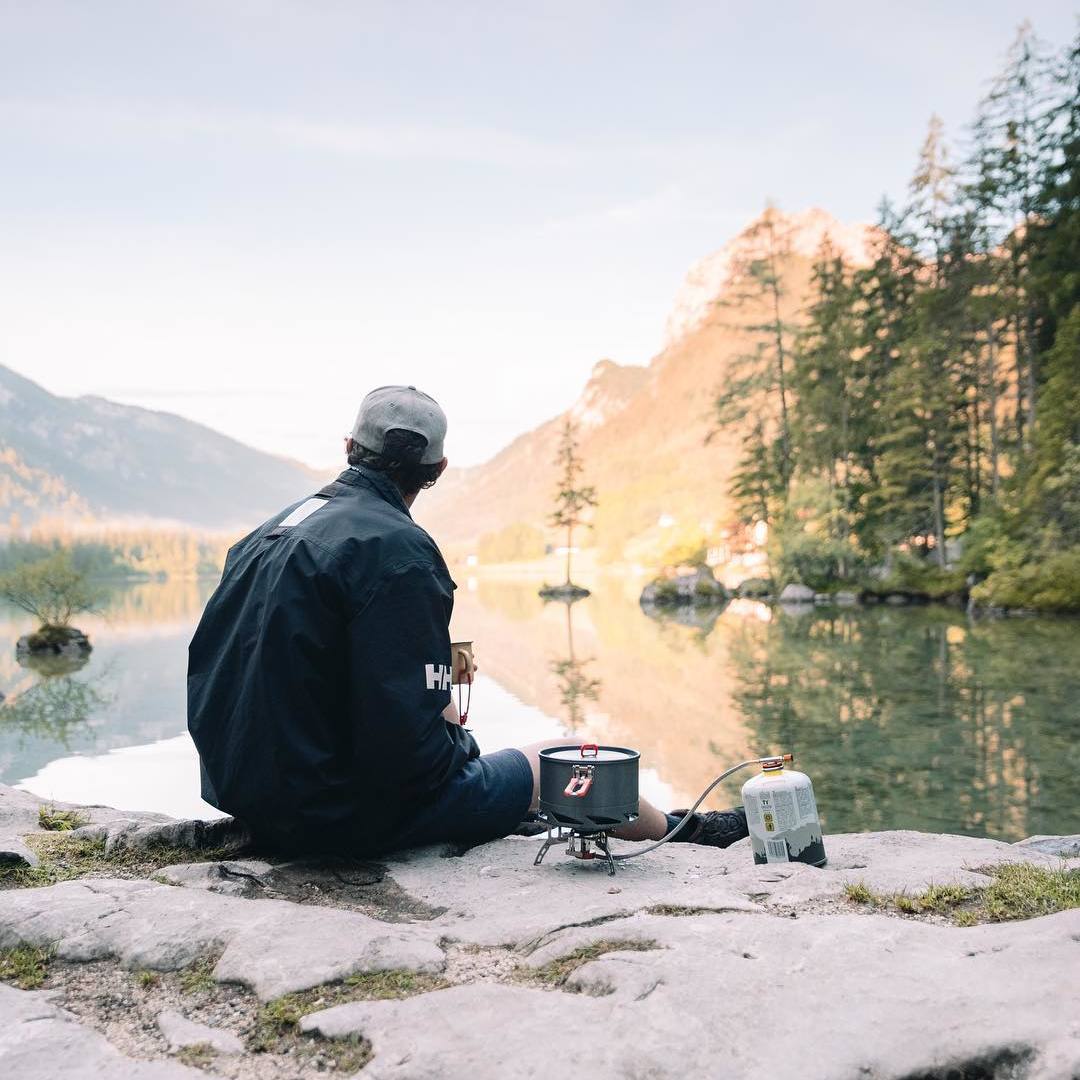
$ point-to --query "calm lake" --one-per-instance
(903, 718)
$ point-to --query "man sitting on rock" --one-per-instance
(319, 676)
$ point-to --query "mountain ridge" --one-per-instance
(89, 460)
(645, 433)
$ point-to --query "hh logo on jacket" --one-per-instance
(438, 676)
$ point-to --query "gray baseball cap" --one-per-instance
(402, 407)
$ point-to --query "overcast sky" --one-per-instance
(251, 213)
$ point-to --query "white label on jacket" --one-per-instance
(438, 676)
(304, 510)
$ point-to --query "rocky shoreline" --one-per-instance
(136, 946)
(698, 588)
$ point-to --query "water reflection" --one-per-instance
(903, 718)
(662, 687)
(918, 719)
(130, 692)
(49, 664)
(53, 708)
(576, 686)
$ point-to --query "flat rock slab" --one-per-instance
(19, 819)
(240, 877)
(834, 996)
(496, 896)
(271, 946)
(128, 833)
(39, 1041)
(179, 1032)
(886, 862)
(1067, 847)
(339, 881)
(742, 956)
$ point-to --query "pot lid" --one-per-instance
(591, 753)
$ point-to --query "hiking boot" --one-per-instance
(717, 828)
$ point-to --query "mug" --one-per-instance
(461, 661)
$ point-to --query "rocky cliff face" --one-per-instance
(515, 485)
(643, 430)
(709, 277)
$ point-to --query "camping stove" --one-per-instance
(585, 792)
(579, 845)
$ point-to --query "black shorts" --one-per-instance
(485, 799)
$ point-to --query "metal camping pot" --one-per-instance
(589, 788)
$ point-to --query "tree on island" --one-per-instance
(53, 590)
(572, 500)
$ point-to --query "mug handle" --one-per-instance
(466, 665)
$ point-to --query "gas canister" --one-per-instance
(782, 815)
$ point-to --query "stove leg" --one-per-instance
(602, 844)
(544, 849)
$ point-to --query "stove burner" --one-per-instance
(579, 845)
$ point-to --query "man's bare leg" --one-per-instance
(651, 823)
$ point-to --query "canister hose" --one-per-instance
(701, 798)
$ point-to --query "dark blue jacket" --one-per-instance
(320, 668)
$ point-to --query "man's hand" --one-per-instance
(450, 714)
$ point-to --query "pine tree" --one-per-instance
(754, 488)
(762, 377)
(1010, 146)
(1054, 237)
(925, 394)
(828, 379)
(884, 294)
(572, 498)
(1052, 495)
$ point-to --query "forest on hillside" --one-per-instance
(123, 554)
(922, 420)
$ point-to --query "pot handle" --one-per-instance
(590, 746)
(578, 787)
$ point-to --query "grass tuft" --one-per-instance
(54, 820)
(147, 979)
(197, 1055)
(383, 985)
(1023, 891)
(558, 971)
(198, 978)
(277, 1027)
(25, 966)
(64, 858)
(936, 900)
(1016, 891)
(681, 910)
(348, 1055)
(858, 893)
